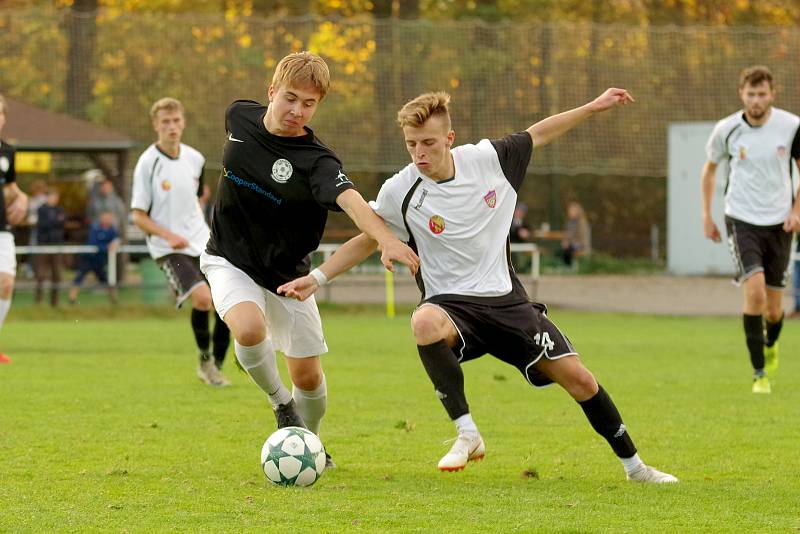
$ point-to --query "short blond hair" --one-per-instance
(415, 112)
(303, 68)
(166, 103)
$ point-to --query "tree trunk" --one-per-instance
(82, 34)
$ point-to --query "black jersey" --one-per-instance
(7, 176)
(273, 198)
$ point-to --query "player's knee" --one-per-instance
(6, 286)
(250, 335)
(201, 300)
(307, 379)
(427, 328)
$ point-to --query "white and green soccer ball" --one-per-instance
(293, 456)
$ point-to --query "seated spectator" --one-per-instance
(103, 235)
(49, 231)
(577, 239)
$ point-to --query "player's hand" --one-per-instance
(792, 223)
(711, 231)
(18, 209)
(394, 250)
(613, 97)
(177, 242)
(299, 288)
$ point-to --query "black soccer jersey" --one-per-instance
(273, 198)
(7, 176)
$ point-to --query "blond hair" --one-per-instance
(303, 68)
(415, 112)
(166, 103)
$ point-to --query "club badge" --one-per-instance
(166, 185)
(281, 171)
(781, 152)
(436, 224)
(742, 153)
(490, 198)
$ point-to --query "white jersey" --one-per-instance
(166, 189)
(759, 189)
(460, 226)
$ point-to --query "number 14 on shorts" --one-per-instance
(543, 340)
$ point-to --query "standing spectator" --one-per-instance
(104, 198)
(761, 210)
(50, 231)
(520, 233)
(13, 208)
(103, 235)
(576, 241)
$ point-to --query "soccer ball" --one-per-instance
(293, 456)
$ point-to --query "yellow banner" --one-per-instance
(34, 162)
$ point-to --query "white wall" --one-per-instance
(688, 251)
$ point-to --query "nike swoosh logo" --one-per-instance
(232, 138)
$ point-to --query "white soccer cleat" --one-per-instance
(467, 448)
(645, 473)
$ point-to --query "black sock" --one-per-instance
(606, 421)
(222, 339)
(754, 335)
(773, 331)
(200, 328)
(445, 372)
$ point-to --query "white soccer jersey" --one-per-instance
(166, 188)
(460, 226)
(759, 189)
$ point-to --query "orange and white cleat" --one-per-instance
(468, 447)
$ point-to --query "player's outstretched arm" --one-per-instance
(16, 203)
(710, 229)
(392, 249)
(345, 258)
(550, 128)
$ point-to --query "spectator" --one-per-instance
(104, 198)
(576, 242)
(520, 233)
(50, 231)
(103, 235)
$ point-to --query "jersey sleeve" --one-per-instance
(389, 207)
(715, 147)
(796, 146)
(328, 181)
(514, 152)
(11, 175)
(142, 194)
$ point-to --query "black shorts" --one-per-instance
(518, 333)
(757, 249)
(183, 274)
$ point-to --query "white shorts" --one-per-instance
(8, 257)
(294, 327)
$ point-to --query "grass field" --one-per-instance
(104, 427)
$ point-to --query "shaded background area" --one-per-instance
(507, 64)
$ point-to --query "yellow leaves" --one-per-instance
(101, 86)
(44, 88)
(454, 83)
(244, 41)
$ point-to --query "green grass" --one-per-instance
(104, 427)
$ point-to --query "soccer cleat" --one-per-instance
(645, 473)
(4, 358)
(771, 358)
(329, 463)
(761, 385)
(286, 415)
(208, 373)
(467, 448)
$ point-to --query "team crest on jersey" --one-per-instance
(4, 164)
(490, 198)
(166, 185)
(742, 153)
(282, 171)
(781, 151)
(436, 224)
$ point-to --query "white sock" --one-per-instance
(5, 305)
(466, 424)
(630, 464)
(311, 405)
(260, 363)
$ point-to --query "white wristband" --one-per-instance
(319, 276)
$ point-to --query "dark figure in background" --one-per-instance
(103, 235)
(49, 231)
(576, 242)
